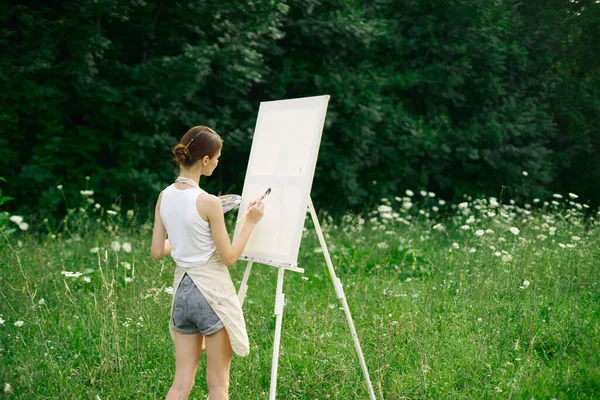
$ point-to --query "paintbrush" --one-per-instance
(261, 198)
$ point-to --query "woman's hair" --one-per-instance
(198, 142)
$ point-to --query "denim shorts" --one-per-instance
(192, 313)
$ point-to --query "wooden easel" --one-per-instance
(279, 302)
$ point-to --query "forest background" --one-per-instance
(456, 97)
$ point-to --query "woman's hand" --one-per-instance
(257, 211)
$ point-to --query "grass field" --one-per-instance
(473, 300)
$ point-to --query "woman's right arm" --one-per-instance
(230, 252)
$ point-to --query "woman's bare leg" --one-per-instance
(187, 353)
(218, 353)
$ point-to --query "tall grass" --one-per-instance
(474, 300)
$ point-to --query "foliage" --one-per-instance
(455, 97)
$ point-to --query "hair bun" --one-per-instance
(182, 153)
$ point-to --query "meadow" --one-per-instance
(480, 299)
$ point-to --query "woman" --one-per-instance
(205, 305)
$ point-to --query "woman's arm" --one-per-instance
(160, 244)
(230, 252)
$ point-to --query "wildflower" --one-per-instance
(491, 214)
(423, 193)
(87, 178)
(514, 231)
(431, 194)
(439, 227)
(127, 247)
(463, 205)
(169, 290)
(497, 254)
(557, 196)
(441, 202)
(7, 388)
(525, 173)
(86, 192)
(507, 258)
(59, 187)
(87, 279)
(525, 284)
(409, 193)
(472, 250)
(129, 213)
(554, 202)
(575, 238)
(386, 215)
(97, 205)
(494, 202)
(552, 230)
(128, 279)
(16, 219)
(536, 200)
(94, 249)
(562, 246)
(111, 212)
(455, 245)
(570, 245)
(2, 321)
(71, 274)
(573, 195)
(407, 205)
(42, 302)
(435, 209)
(465, 227)
(382, 245)
(489, 231)
(116, 246)
(541, 237)
(126, 265)
(19, 323)
(479, 232)
(317, 250)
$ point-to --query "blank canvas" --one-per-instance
(283, 157)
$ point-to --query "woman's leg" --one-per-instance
(218, 353)
(187, 353)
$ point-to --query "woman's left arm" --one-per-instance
(160, 244)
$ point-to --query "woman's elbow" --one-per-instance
(156, 256)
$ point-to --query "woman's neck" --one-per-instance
(195, 176)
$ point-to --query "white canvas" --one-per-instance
(283, 157)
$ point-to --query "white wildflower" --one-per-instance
(116, 246)
(557, 196)
(552, 230)
(7, 388)
(94, 249)
(525, 173)
(97, 205)
(86, 192)
(19, 323)
(562, 246)
(575, 238)
(536, 200)
(472, 250)
(87, 279)
(126, 265)
(409, 193)
(435, 209)
(494, 202)
(59, 187)
(455, 245)
(463, 205)
(507, 258)
(570, 245)
(127, 247)
(541, 237)
(407, 205)
(169, 290)
(489, 231)
(23, 226)
(497, 254)
(439, 227)
(479, 232)
(317, 250)
(128, 279)
(387, 215)
(69, 274)
(491, 214)
(525, 284)
(423, 193)
(554, 202)
(129, 213)
(17, 219)
(431, 194)
(441, 202)
(573, 195)
(382, 245)
(2, 321)
(111, 212)
(42, 302)
(514, 231)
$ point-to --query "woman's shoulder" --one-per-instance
(208, 202)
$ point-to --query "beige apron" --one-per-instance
(215, 284)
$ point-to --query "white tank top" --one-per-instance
(189, 234)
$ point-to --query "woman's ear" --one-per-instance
(205, 160)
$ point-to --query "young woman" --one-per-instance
(204, 310)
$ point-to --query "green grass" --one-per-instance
(434, 321)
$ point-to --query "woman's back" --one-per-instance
(189, 234)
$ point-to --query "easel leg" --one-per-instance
(279, 300)
(244, 284)
(339, 291)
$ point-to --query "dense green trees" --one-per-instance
(451, 96)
